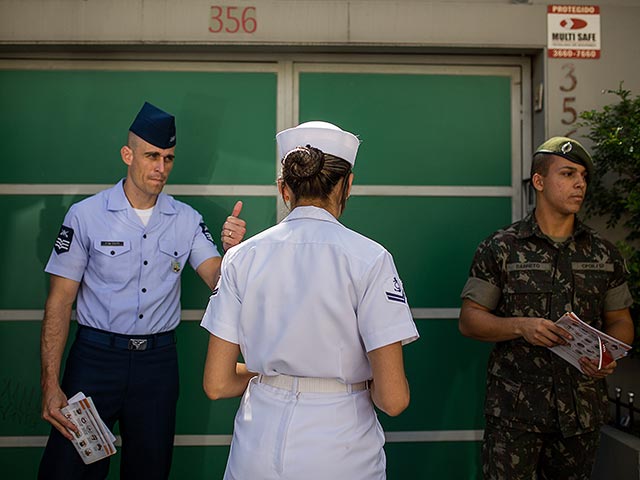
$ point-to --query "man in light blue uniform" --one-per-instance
(121, 253)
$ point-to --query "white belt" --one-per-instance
(311, 384)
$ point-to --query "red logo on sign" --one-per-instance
(573, 23)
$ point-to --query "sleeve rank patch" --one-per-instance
(206, 232)
(394, 291)
(63, 242)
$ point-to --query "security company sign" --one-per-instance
(573, 31)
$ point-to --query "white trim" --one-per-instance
(261, 190)
(224, 440)
(410, 69)
(516, 143)
(435, 436)
(526, 147)
(26, 441)
(435, 313)
(237, 61)
(201, 440)
(192, 315)
(430, 191)
(222, 190)
(286, 100)
(23, 315)
(52, 188)
(142, 65)
(92, 188)
(196, 315)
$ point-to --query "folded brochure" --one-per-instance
(94, 441)
(588, 342)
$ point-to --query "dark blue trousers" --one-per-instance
(136, 388)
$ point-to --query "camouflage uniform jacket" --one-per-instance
(520, 272)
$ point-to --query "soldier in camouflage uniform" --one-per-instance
(543, 415)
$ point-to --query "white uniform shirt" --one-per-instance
(129, 273)
(309, 297)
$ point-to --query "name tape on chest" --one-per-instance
(547, 267)
(111, 243)
(63, 242)
(594, 266)
(393, 291)
(513, 267)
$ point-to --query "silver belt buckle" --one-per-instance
(137, 344)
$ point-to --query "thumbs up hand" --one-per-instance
(233, 229)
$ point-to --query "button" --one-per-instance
(175, 253)
(140, 316)
(144, 236)
(144, 290)
(112, 252)
(145, 262)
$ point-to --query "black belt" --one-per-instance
(126, 342)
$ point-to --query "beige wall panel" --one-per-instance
(279, 21)
(476, 24)
(168, 21)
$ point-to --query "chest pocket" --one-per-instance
(112, 261)
(173, 258)
(591, 282)
(527, 291)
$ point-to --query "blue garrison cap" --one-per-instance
(155, 126)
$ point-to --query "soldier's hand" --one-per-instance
(590, 367)
(53, 399)
(233, 229)
(542, 332)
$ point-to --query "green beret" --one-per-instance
(569, 149)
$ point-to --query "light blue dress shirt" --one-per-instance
(129, 273)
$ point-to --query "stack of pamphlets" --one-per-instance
(94, 440)
(588, 342)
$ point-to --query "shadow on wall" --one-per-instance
(50, 220)
(32, 225)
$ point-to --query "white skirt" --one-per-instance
(282, 435)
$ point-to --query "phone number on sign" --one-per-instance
(568, 53)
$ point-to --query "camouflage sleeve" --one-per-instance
(484, 283)
(618, 295)
(482, 292)
(618, 298)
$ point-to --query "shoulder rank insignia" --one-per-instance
(63, 242)
(206, 232)
(394, 291)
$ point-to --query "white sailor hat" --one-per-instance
(322, 135)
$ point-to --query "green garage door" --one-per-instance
(435, 174)
(64, 128)
(438, 169)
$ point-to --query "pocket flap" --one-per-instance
(171, 248)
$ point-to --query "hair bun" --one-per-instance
(304, 162)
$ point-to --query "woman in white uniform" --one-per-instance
(319, 315)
